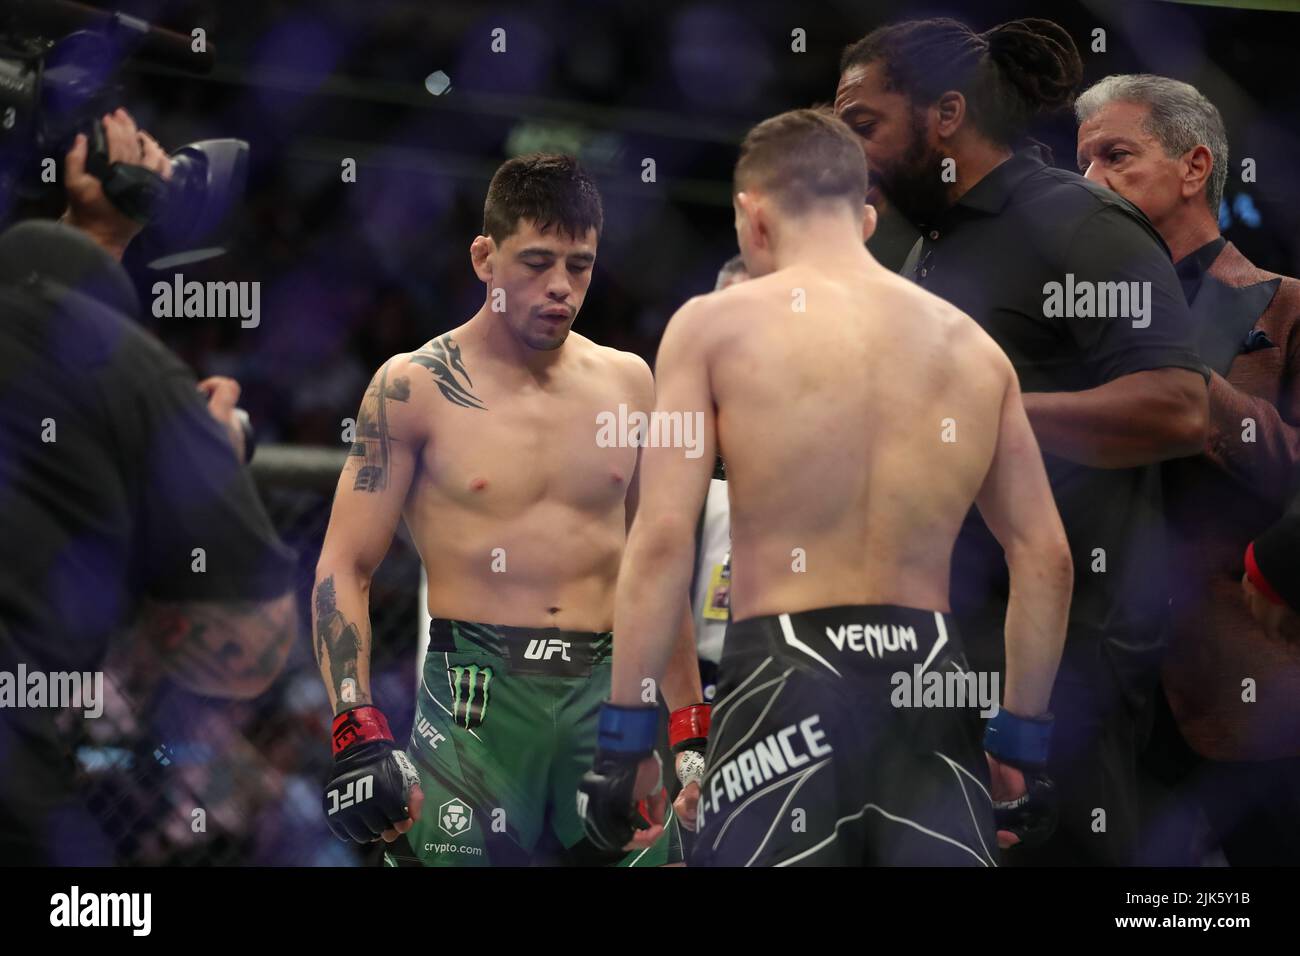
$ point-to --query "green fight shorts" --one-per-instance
(505, 727)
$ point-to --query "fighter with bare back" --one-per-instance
(859, 417)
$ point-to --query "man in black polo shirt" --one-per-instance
(1078, 289)
(114, 472)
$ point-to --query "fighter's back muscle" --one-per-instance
(870, 415)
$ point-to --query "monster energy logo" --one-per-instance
(469, 688)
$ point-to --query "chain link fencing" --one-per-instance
(179, 779)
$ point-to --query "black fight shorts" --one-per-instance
(822, 754)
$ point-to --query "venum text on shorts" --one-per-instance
(179, 299)
(80, 690)
(77, 909)
(1084, 299)
(656, 429)
(875, 639)
(946, 688)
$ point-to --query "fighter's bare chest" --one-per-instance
(525, 448)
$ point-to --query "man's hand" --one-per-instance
(1024, 807)
(1278, 621)
(686, 806)
(223, 395)
(1006, 785)
(626, 776)
(617, 796)
(1023, 795)
(651, 803)
(688, 735)
(374, 792)
(88, 208)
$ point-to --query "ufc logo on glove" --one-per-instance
(357, 791)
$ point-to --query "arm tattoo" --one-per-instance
(338, 642)
(442, 358)
(373, 439)
(221, 647)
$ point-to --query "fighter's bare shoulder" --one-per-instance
(628, 371)
(437, 366)
(387, 409)
(968, 339)
(740, 298)
(420, 384)
(701, 317)
(958, 330)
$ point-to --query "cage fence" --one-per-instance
(175, 778)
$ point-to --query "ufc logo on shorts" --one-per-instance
(545, 650)
(428, 732)
(357, 791)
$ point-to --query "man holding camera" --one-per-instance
(126, 504)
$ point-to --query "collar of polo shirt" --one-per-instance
(992, 192)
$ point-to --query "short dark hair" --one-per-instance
(551, 189)
(1008, 74)
(801, 157)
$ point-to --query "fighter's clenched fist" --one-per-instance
(626, 778)
(375, 791)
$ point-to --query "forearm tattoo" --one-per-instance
(339, 643)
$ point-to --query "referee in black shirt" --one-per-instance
(1078, 289)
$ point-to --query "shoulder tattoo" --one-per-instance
(442, 358)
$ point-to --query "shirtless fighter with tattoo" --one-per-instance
(485, 441)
